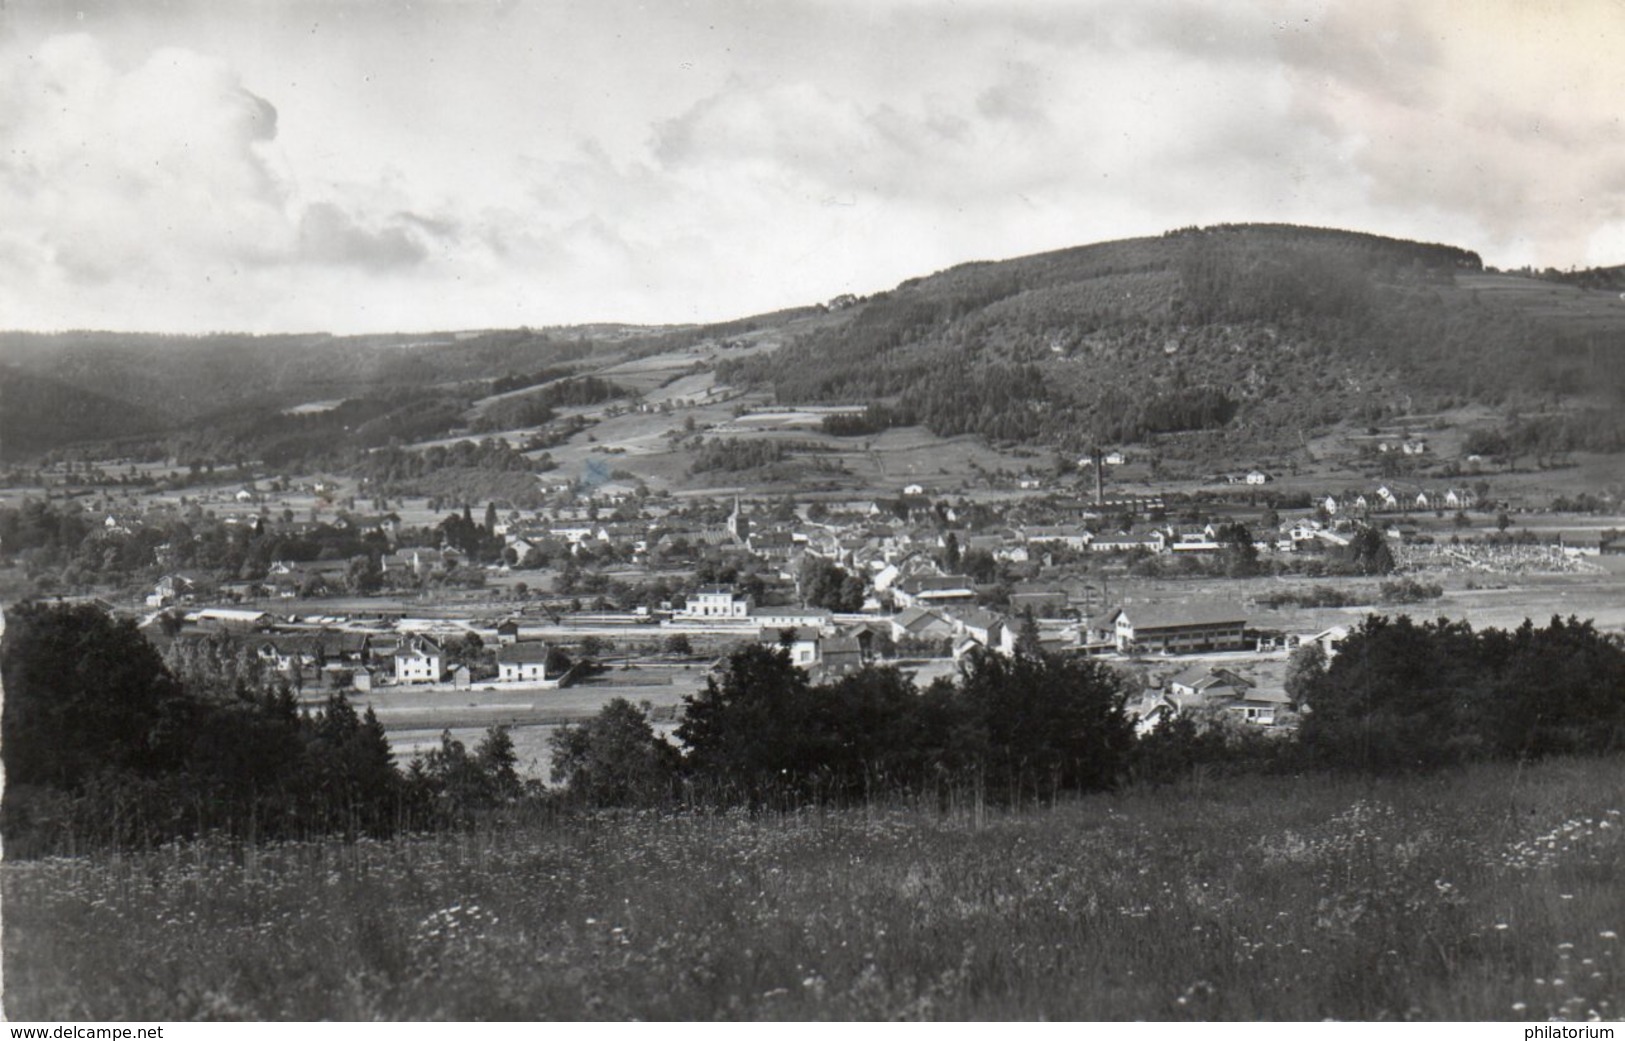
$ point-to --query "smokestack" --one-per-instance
(1100, 476)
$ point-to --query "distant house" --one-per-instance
(1206, 681)
(917, 623)
(1072, 536)
(419, 659)
(508, 631)
(980, 625)
(717, 603)
(1151, 542)
(772, 544)
(839, 655)
(802, 644)
(1042, 603)
(526, 662)
(1182, 629)
(1330, 640)
(930, 590)
(791, 617)
(914, 489)
(170, 589)
(230, 618)
(1256, 477)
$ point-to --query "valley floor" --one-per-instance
(1492, 893)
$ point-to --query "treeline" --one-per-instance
(519, 381)
(760, 733)
(873, 420)
(464, 471)
(729, 454)
(538, 407)
(1402, 695)
(1119, 416)
(106, 747)
(288, 440)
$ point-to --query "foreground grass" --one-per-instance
(1490, 894)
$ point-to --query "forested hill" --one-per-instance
(35, 409)
(1254, 330)
(1260, 327)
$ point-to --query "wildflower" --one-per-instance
(1608, 934)
(1500, 926)
(1518, 1006)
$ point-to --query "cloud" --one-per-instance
(248, 166)
(1505, 115)
(328, 235)
(153, 180)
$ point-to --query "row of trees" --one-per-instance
(106, 745)
(1402, 695)
(1024, 727)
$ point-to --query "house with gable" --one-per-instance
(419, 659)
(526, 661)
(1180, 629)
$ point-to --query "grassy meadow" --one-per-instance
(1490, 893)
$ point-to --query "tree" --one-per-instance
(678, 643)
(497, 758)
(364, 574)
(84, 694)
(1237, 551)
(615, 758)
(1046, 723)
(825, 584)
(1502, 521)
(1027, 639)
(1368, 553)
(1398, 696)
(748, 731)
(1303, 670)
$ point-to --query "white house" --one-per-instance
(803, 646)
(791, 617)
(525, 662)
(419, 659)
(718, 603)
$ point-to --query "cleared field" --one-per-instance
(1490, 894)
(414, 718)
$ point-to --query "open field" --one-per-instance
(413, 717)
(1490, 894)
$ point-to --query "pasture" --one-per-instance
(1489, 894)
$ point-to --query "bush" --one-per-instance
(615, 758)
(1406, 696)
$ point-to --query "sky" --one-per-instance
(293, 165)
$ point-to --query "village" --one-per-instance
(535, 618)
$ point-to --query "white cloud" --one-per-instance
(260, 166)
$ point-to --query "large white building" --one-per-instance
(1187, 629)
(717, 603)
